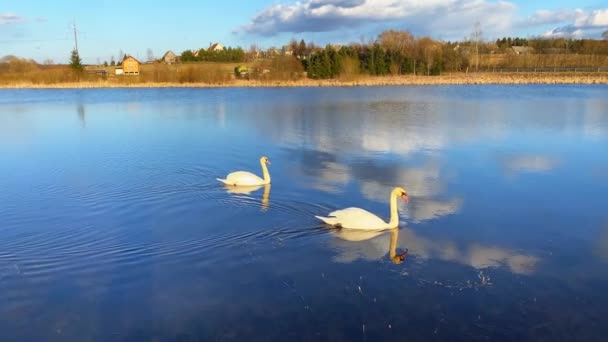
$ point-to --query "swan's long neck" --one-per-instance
(265, 173)
(394, 221)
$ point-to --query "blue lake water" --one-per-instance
(113, 227)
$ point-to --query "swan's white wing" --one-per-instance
(243, 178)
(356, 218)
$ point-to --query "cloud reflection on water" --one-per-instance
(353, 245)
(528, 163)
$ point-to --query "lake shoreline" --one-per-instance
(447, 79)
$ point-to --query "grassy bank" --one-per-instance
(454, 78)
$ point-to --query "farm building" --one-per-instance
(216, 47)
(169, 57)
(130, 65)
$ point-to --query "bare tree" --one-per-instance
(293, 45)
(605, 35)
(399, 41)
(121, 55)
(150, 54)
(477, 38)
(429, 51)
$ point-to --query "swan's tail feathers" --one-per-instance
(329, 220)
(222, 180)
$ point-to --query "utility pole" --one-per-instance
(75, 37)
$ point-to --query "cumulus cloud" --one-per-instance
(576, 23)
(446, 16)
(10, 18)
(542, 17)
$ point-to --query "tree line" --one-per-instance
(229, 54)
(394, 53)
(399, 52)
(557, 45)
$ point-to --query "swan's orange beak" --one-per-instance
(405, 198)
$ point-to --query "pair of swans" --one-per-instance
(350, 218)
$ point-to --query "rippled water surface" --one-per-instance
(113, 227)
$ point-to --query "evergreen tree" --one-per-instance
(380, 66)
(75, 61)
(325, 66)
(301, 49)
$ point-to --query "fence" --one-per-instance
(544, 69)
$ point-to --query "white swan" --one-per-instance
(240, 178)
(357, 218)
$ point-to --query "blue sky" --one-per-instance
(40, 31)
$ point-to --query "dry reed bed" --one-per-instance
(447, 79)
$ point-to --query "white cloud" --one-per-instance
(543, 16)
(597, 18)
(446, 17)
(576, 23)
(10, 18)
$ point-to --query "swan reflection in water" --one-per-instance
(366, 245)
(249, 189)
(355, 236)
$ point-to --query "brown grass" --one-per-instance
(455, 78)
(287, 71)
(540, 61)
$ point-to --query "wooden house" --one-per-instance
(216, 47)
(130, 65)
(169, 57)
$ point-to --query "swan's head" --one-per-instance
(265, 160)
(399, 258)
(401, 193)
